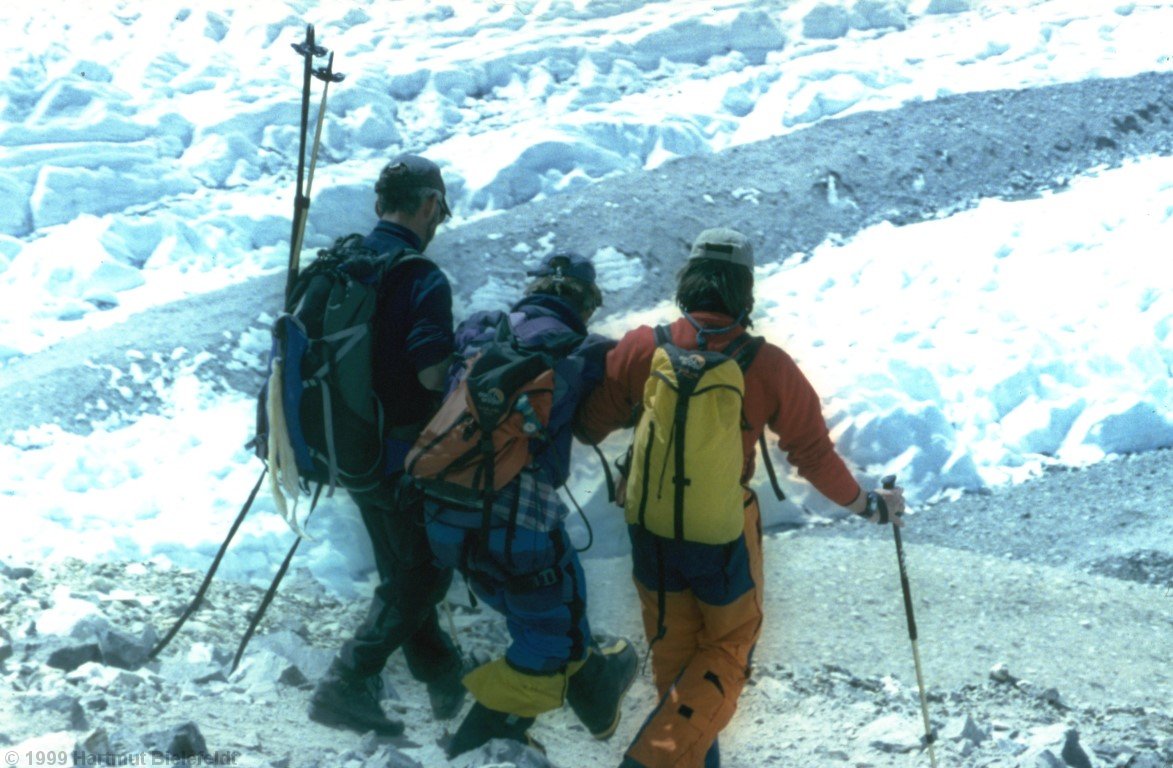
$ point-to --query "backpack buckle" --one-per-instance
(547, 577)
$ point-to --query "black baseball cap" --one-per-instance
(567, 264)
(415, 172)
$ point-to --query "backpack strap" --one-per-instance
(395, 260)
(770, 467)
(744, 354)
(663, 335)
(607, 473)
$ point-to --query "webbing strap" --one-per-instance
(770, 468)
(331, 451)
(643, 499)
(679, 481)
(661, 598)
(487, 489)
(606, 473)
(663, 335)
(352, 336)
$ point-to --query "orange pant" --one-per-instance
(701, 662)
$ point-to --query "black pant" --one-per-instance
(411, 584)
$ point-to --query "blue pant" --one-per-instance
(534, 579)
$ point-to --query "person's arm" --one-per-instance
(803, 437)
(430, 340)
(614, 402)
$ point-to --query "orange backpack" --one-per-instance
(480, 439)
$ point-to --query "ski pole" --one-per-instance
(308, 50)
(195, 603)
(929, 737)
(327, 75)
(271, 592)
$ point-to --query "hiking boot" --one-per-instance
(342, 699)
(446, 695)
(482, 724)
(597, 689)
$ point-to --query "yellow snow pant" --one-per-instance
(710, 619)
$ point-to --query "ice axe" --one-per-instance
(889, 482)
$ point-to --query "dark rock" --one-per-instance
(6, 646)
(181, 741)
(69, 657)
(77, 717)
(292, 676)
(62, 703)
(15, 574)
(102, 748)
(91, 748)
(125, 652)
(1073, 754)
(963, 729)
(210, 674)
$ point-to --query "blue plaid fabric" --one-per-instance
(539, 507)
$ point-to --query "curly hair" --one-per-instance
(716, 286)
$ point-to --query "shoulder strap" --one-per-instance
(394, 261)
(404, 255)
(744, 349)
(663, 335)
(744, 354)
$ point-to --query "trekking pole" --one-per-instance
(271, 591)
(890, 482)
(191, 608)
(327, 75)
(308, 50)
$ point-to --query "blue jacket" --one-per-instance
(544, 321)
(412, 331)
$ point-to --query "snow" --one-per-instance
(148, 154)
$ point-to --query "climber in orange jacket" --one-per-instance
(701, 602)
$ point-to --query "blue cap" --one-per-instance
(566, 264)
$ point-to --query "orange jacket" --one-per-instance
(776, 394)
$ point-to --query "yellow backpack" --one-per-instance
(684, 472)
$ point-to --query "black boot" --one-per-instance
(342, 699)
(482, 724)
(597, 689)
(446, 695)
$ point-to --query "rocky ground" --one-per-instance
(1034, 652)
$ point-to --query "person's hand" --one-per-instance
(885, 505)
